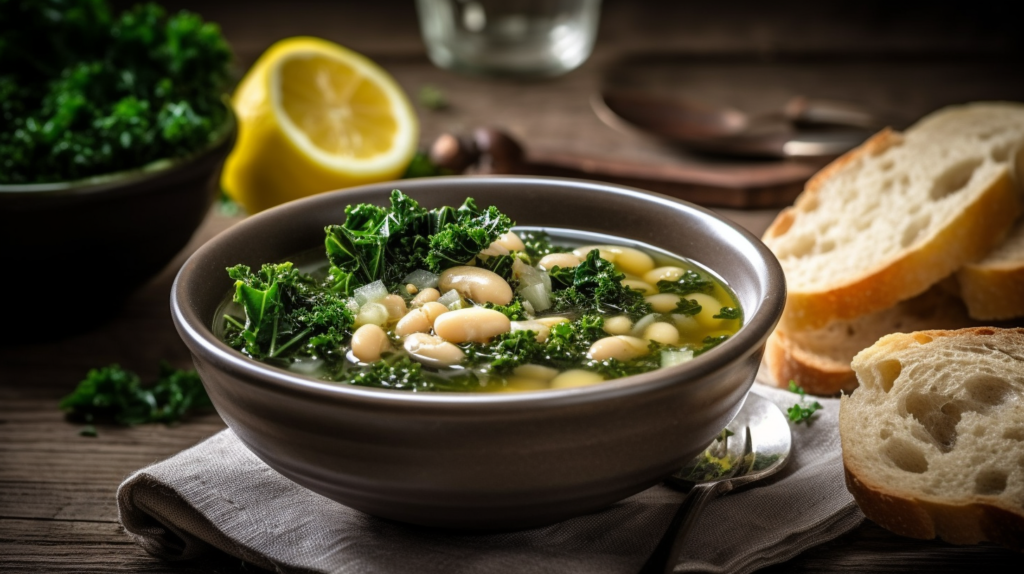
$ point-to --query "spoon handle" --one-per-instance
(666, 554)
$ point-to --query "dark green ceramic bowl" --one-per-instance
(74, 251)
(484, 460)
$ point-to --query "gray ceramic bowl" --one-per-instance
(484, 461)
(74, 251)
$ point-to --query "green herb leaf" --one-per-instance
(115, 394)
(690, 282)
(597, 288)
(801, 414)
(729, 313)
(688, 307)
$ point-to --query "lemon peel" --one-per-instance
(313, 117)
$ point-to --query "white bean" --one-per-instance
(475, 324)
(669, 273)
(709, 308)
(620, 347)
(662, 333)
(603, 252)
(511, 241)
(564, 260)
(476, 283)
(369, 342)
(663, 302)
(395, 306)
(425, 296)
(627, 259)
(420, 320)
(617, 325)
(532, 371)
(642, 286)
(537, 327)
(575, 378)
(632, 260)
(551, 321)
(432, 351)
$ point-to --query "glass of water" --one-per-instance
(509, 37)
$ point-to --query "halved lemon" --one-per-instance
(314, 117)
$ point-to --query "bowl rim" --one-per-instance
(199, 337)
(221, 135)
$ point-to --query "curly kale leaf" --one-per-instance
(391, 372)
(473, 230)
(84, 93)
(284, 308)
(514, 310)
(501, 265)
(115, 394)
(728, 313)
(377, 243)
(688, 307)
(538, 244)
(596, 288)
(690, 282)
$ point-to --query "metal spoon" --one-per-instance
(838, 126)
(756, 444)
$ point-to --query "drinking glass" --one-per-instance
(509, 37)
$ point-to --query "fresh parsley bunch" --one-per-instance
(85, 93)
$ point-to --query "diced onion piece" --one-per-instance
(421, 278)
(352, 305)
(372, 314)
(643, 323)
(545, 278)
(370, 293)
(526, 274)
(538, 297)
(307, 366)
(450, 297)
(670, 358)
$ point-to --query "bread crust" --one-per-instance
(926, 519)
(966, 521)
(786, 361)
(973, 232)
(993, 292)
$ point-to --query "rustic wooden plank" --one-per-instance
(86, 547)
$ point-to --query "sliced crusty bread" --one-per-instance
(993, 288)
(889, 219)
(933, 439)
(819, 359)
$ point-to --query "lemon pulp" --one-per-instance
(314, 117)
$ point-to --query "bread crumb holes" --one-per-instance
(1015, 433)
(955, 178)
(887, 373)
(988, 390)
(990, 482)
(905, 455)
(914, 230)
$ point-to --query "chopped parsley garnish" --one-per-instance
(113, 394)
(799, 413)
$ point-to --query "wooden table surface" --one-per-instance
(57, 508)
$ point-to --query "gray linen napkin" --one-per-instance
(219, 495)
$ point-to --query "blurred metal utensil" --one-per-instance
(802, 128)
(755, 445)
